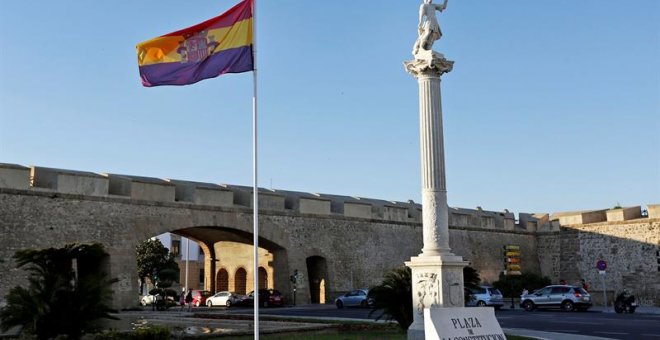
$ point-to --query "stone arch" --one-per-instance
(222, 280)
(317, 271)
(263, 278)
(240, 281)
(210, 238)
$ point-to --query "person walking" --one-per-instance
(585, 286)
(182, 298)
(189, 299)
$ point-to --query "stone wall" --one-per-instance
(354, 240)
(629, 248)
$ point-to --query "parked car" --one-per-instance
(354, 298)
(568, 298)
(225, 298)
(200, 296)
(267, 298)
(484, 296)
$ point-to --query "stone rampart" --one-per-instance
(132, 187)
(359, 238)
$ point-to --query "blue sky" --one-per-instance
(551, 106)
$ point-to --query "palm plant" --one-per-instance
(67, 290)
(471, 281)
(392, 298)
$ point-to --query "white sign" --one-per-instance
(601, 272)
(460, 323)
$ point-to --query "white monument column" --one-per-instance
(437, 274)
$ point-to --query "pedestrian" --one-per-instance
(585, 286)
(182, 298)
(189, 299)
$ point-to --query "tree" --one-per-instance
(471, 280)
(67, 290)
(155, 262)
(392, 298)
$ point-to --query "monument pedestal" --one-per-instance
(436, 281)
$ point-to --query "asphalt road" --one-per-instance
(606, 325)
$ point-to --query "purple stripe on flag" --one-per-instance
(235, 60)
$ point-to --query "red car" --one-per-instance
(200, 296)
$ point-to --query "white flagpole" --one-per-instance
(255, 189)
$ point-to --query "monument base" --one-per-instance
(436, 281)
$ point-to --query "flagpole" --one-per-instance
(255, 190)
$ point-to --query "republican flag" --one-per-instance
(214, 47)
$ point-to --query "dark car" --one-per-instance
(200, 296)
(267, 298)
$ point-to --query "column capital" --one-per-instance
(428, 64)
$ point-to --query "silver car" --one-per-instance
(354, 298)
(568, 298)
(484, 296)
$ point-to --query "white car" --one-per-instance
(147, 300)
(354, 298)
(225, 298)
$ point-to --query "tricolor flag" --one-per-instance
(216, 46)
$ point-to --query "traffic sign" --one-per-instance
(512, 260)
(601, 265)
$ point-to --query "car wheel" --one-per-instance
(340, 304)
(567, 306)
(228, 304)
(528, 306)
(209, 304)
(481, 304)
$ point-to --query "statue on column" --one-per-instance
(429, 29)
(426, 59)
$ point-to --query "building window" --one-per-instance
(176, 247)
(201, 275)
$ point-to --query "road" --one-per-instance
(606, 325)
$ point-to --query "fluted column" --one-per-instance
(435, 218)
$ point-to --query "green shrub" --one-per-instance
(153, 333)
(68, 290)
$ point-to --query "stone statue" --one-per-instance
(429, 29)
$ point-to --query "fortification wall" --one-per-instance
(630, 249)
(359, 238)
